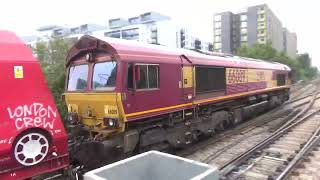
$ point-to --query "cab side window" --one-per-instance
(148, 76)
(281, 79)
(130, 76)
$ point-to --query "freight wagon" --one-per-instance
(33, 140)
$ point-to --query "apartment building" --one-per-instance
(45, 33)
(255, 24)
(150, 27)
(155, 28)
(290, 43)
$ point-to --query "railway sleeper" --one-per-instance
(290, 143)
(281, 151)
(310, 169)
(267, 170)
(287, 146)
(254, 175)
(268, 164)
(298, 139)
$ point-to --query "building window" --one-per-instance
(217, 18)
(217, 25)
(134, 20)
(244, 31)
(261, 31)
(217, 32)
(234, 39)
(261, 8)
(243, 24)
(130, 34)
(261, 25)
(262, 39)
(146, 17)
(114, 34)
(148, 77)
(244, 38)
(243, 17)
(261, 16)
(217, 39)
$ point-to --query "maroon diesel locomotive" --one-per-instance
(124, 96)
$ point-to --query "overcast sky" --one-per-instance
(23, 17)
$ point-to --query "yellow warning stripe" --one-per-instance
(206, 100)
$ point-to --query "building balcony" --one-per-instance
(262, 40)
(262, 35)
(261, 27)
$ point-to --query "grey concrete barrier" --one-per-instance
(154, 165)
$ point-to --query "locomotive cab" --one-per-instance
(93, 89)
(91, 94)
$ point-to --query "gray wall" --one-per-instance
(252, 25)
(226, 31)
(275, 30)
(290, 43)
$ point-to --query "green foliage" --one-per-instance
(52, 56)
(300, 66)
(258, 51)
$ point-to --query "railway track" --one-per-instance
(259, 128)
(306, 164)
(270, 157)
(302, 91)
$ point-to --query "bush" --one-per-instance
(52, 55)
(300, 66)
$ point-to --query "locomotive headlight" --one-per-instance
(111, 123)
(73, 118)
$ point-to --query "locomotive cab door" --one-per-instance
(187, 79)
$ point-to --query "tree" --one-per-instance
(257, 51)
(301, 66)
(52, 55)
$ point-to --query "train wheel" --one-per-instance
(31, 148)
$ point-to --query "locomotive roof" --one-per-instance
(12, 48)
(123, 48)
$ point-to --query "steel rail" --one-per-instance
(314, 140)
(258, 121)
(216, 154)
(224, 170)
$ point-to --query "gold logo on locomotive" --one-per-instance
(236, 76)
